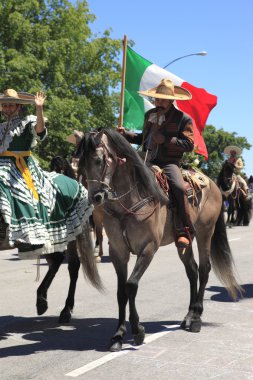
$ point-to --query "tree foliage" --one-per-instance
(49, 45)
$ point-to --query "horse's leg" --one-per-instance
(234, 212)
(73, 268)
(239, 216)
(191, 269)
(230, 214)
(247, 212)
(98, 222)
(243, 211)
(54, 261)
(99, 239)
(204, 244)
(121, 271)
(142, 263)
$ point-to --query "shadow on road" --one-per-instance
(30, 335)
(223, 296)
(27, 336)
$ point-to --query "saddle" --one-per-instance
(194, 181)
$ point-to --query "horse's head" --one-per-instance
(227, 176)
(57, 164)
(99, 161)
(61, 165)
(113, 168)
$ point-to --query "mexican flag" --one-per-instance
(142, 74)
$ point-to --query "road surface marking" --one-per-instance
(114, 355)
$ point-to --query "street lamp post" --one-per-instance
(184, 56)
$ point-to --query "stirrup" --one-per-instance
(183, 242)
(183, 238)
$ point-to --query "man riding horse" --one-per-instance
(167, 134)
(234, 158)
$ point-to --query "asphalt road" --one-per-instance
(33, 347)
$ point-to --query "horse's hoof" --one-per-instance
(98, 259)
(116, 346)
(64, 317)
(195, 326)
(186, 323)
(139, 338)
(41, 305)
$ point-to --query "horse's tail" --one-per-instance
(222, 260)
(249, 209)
(86, 255)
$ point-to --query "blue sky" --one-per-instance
(165, 30)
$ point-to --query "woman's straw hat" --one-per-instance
(75, 137)
(12, 96)
(232, 148)
(167, 90)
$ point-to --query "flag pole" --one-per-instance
(123, 82)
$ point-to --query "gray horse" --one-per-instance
(137, 219)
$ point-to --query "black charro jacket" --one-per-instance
(167, 138)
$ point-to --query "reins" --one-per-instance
(111, 196)
(114, 198)
(234, 187)
(138, 206)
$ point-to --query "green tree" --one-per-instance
(216, 140)
(48, 45)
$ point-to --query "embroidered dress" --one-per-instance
(46, 210)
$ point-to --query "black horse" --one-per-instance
(62, 165)
(239, 204)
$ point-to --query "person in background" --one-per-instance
(167, 134)
(42, 211)
(75, 139)
(233, 152)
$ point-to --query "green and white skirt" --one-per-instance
(50, 222)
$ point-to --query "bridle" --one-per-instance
(111, 194)
(107, 154)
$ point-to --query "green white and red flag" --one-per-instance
(141, 75)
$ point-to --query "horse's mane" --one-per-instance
(146, 181)
(62, 165)
(225, 165)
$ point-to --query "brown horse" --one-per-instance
(137, 219)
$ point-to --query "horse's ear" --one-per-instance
(98, 137)
(80, 148)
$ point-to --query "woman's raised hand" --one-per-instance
(39, 99)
